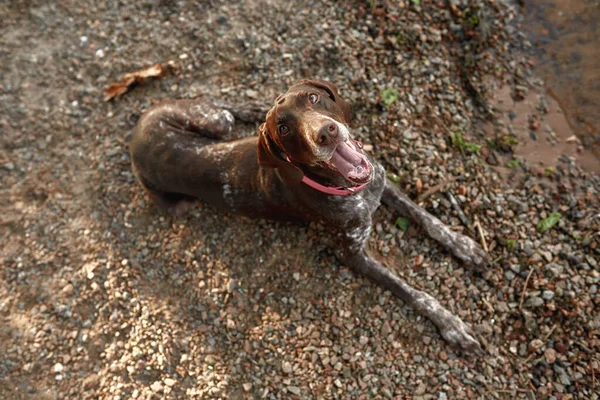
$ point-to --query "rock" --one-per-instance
(533, 302)
(231, 285)
(554, 268)
(170, 382)
(58, 367)
(550, 355)
(548, 295)
(386, 329)
(287, 367)
(157, 386)
(562, 375)
(247, 386)
(294, 390)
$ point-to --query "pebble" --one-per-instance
(170, 382)
(157, 386)
(294, 390)
(533, 302)
(287, 367)
(231, 285)
(550, 355)
(548, 295)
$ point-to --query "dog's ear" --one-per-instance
(265, 149)
(332, 91)
(268, 157)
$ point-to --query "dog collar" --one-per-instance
(336, 191)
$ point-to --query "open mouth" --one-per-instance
(351, 163)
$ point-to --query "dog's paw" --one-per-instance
(458, 334)
(470, 252)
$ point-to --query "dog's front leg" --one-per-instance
(453, 329)
(460, 245)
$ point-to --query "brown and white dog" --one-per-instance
(303, 166)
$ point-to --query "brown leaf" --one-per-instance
(117, 89)
(419, 185)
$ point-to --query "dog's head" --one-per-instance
(308, 128)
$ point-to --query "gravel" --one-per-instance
(102, 296)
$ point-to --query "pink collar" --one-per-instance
(336, 191)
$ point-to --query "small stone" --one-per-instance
(156, 386)
(68, 289)
(548, 295)
(287, 367)
(58, 367)
(554, 268)
(534, 302)
(170, 382)
(247, 386)
(386, 329)
(363, 340)
(550, 355)
(443, 356)
(296, 276)
(294, 390)
(9, 166)
(231, 285)
(442, 396)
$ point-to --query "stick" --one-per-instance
(434, 189)
(536, 348)
(461, 215)
(481, 237)
(525, 288)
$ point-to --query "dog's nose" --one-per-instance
(328, 133)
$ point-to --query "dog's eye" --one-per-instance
(313, 98)
(283, 130)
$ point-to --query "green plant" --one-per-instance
(514, 163)
(510, 244)
(402, 223)
(393, 177)
(416, 2)
(462, 145)
(389, 96)
(547, 223)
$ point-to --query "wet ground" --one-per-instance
(566, 35)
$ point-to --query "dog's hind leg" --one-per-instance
(460, 245)
(193, 116)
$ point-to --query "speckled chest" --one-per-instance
(353, 210)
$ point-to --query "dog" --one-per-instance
(304, 165)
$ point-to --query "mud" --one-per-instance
(566, 38)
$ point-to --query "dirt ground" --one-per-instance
(104, 296)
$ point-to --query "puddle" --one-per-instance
(566, 34)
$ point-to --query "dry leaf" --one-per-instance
(572, 139)
(119, 88)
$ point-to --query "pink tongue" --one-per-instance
(349, 162)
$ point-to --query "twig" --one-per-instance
(525, 288)
(543, 341)
(593, 373)
(461, 215)
(481, 237)
(434, 189)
